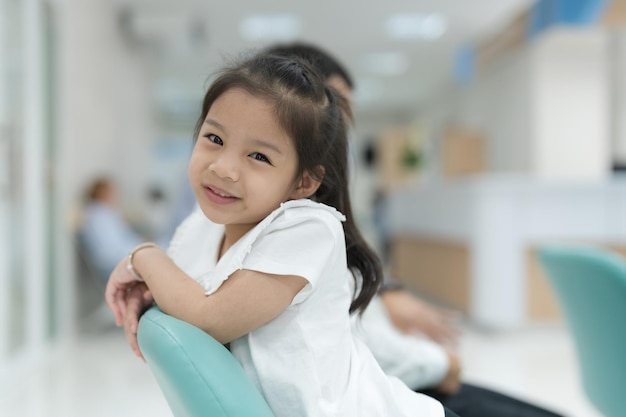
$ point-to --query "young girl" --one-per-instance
(265, 263)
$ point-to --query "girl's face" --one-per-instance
(243, 165)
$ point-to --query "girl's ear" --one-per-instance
(307, 185)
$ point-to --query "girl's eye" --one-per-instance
(259, 157)
(215, 139)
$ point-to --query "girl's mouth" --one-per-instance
(219, 196)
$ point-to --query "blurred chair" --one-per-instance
(590, 284)
(85, 266)
(198, 376)
(93, 313)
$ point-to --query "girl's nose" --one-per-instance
(225, 167)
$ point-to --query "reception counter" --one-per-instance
(471, 243)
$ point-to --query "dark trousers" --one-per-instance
(449, 413)
(473, 401)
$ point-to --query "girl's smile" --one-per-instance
(219, 196)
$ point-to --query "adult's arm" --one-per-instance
(419, 362)
(412, 315)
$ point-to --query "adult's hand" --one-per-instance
(412, 315)
(452, 381)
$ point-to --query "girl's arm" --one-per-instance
(244, 302)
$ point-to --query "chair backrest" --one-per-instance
(198, 376)
(590, 284)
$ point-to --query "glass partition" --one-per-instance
(27, 296)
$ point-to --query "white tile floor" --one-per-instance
(97, 376)
(537, 364)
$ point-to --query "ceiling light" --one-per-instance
(384, 63)
(270, 27)
(416, 26)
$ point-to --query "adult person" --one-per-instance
(104, 232)
(395, 322)
(408, 313)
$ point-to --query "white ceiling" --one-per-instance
(187, 40)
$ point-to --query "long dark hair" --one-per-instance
(312, 114)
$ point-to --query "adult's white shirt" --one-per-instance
(417, 361)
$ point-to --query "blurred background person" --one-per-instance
(105, 233)
(396, 320)
(409, 313)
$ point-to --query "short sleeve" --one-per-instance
(301, 247)
(298, 238)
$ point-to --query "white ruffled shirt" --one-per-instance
(305, 362)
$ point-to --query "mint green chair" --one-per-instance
(590, 284)
(198, 376)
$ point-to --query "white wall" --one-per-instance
(617, 60)
(570, 105)
(543, 108)
(496, 104)
(105, 107)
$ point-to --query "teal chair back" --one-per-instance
(590, 284)
(198, 376)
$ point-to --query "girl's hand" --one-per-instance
(115, 294)
(138, 300)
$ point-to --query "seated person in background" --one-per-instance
(410, 314)
(408, 336)
(105, 234)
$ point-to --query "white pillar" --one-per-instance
(34, 174)
(570, 105)
(498, 287)
(4, 185)
(617, 57)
